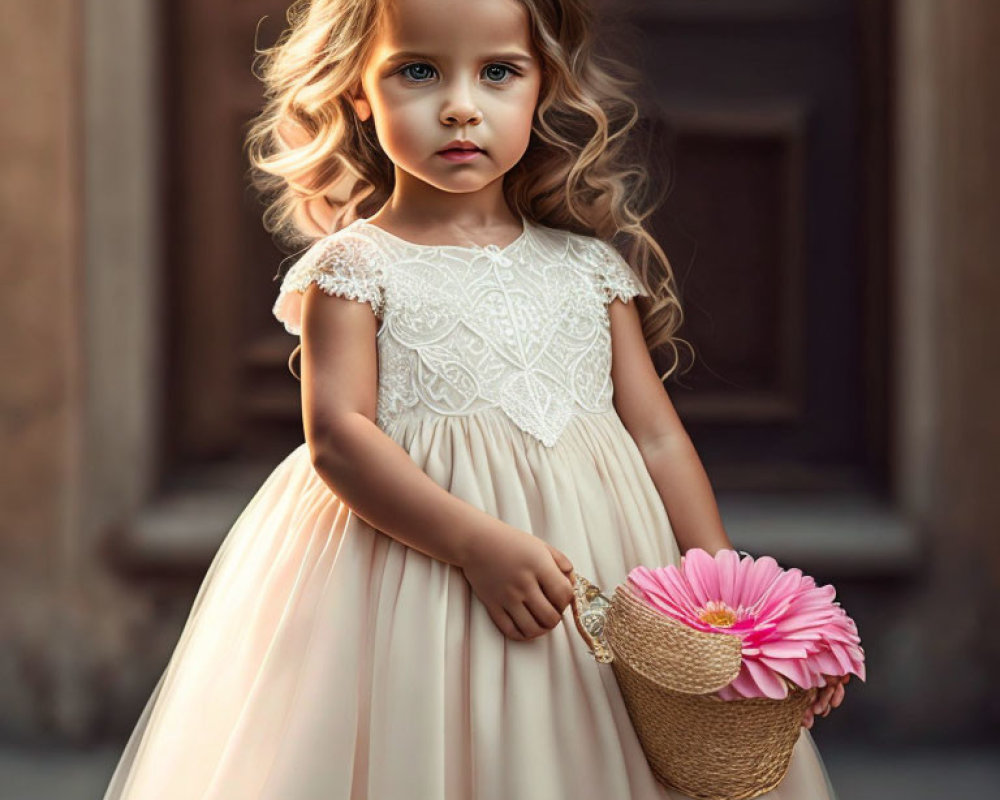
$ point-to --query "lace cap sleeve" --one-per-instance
(347, 266)
(614, 275)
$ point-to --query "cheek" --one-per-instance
(519, 115)
(527, 104)
(402, 123)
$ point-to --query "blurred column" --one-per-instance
(947, 339)
(78, 222)
(41, 356)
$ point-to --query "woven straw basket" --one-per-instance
(668, 673)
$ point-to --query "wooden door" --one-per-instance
(773, 116)
(233, 396)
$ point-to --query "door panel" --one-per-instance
(772, 118)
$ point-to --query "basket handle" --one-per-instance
(590, 609)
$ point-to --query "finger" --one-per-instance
(838, 696)
(524, 621)
(820, 698)
(564, 564)
(504, 622)
(557, 590)
(541, 608)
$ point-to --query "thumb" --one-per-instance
(561, 560)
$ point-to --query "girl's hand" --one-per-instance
(830, 696)
(522, 580)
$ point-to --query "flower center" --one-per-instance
(718, 614)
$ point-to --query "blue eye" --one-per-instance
(422, 67)
(507, 70)
(411, 66)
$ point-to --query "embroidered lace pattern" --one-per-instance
(341, 265)
(523, 327)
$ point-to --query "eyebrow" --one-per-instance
(512, 55)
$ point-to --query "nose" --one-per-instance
(462, 118)
(460, 109)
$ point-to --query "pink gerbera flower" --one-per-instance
(790, 627)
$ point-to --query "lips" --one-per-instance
(457, 145)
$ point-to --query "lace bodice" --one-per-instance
(523, 327)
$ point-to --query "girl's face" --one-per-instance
(442, 70)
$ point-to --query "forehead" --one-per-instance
(446, 28)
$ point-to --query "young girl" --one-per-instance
(383, 619)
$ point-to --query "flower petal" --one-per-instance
(727, 564)
(783, 649)
(793, 669)
(744, 684)
(743, 571)
(825, 662)
(767, 680)
(699, 570)
(669, 583)
(762, 573)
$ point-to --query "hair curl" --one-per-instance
(319, 167)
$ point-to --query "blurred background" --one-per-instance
(832, 217)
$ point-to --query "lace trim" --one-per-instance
(524, 329)
(347, 266)
(614, 274)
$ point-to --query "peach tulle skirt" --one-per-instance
(323, 660)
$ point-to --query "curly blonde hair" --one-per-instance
(319, 167)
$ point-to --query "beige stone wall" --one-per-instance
(43, 370)
(78, 643)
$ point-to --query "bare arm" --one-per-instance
(649, 416)
(367, 469)
(522, 580)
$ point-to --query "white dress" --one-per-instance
(324, 660)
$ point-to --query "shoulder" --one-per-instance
(344, 251)
(343, 263)
(611, 272)
(578, 247)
